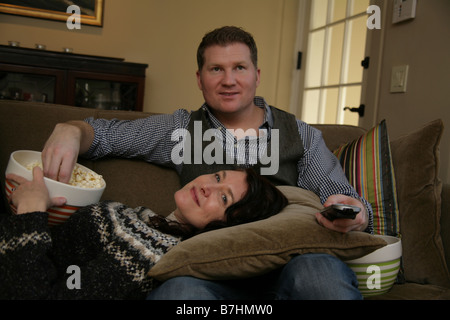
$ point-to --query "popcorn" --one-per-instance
(34, 164)
(80, 177)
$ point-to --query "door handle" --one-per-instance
(365, 63)
(360, 110)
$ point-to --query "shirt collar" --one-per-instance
(259, 102)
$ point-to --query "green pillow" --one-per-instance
(256, 248)
(367, 163)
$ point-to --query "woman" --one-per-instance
(104, 251)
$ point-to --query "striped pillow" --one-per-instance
(367, 163)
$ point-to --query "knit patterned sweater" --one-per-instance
(110, 243)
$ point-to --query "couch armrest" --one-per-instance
(445, 221)
(336, 135)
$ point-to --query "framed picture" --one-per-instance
(91, 11)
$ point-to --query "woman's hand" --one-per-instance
(345, 225)
(32, 196)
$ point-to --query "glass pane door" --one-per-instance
(333, 78)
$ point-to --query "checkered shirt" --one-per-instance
(151, 139)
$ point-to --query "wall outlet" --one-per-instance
(404, 10)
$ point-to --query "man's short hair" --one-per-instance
(224, 36)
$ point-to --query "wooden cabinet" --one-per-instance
(71, 79)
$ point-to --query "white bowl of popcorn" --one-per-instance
(85, 187)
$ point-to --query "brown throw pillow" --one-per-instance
(416, 161)
(259, 247)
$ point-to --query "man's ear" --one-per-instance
(258, 77)
(199, 80)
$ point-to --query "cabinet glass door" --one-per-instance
(27, 87)
(109, 95)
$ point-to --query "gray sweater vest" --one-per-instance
(290, 150)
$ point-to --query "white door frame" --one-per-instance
(370, 82)
(370, 90)
(301, 45)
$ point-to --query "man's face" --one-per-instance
(228, 78)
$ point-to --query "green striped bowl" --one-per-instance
(377, 271)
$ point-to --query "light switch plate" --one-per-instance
(404, 10)
(399, 78)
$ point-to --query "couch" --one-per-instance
(421, 201)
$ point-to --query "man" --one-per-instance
(228, 76)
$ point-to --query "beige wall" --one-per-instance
(165, 34)
(424, 44)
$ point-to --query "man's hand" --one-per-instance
(62, 148)
(344, 225)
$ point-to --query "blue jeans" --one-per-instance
(308, 276)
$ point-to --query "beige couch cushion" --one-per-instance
(259, 247)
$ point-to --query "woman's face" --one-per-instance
(206, 198)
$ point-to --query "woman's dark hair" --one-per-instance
(224, 36)
(262, 200)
